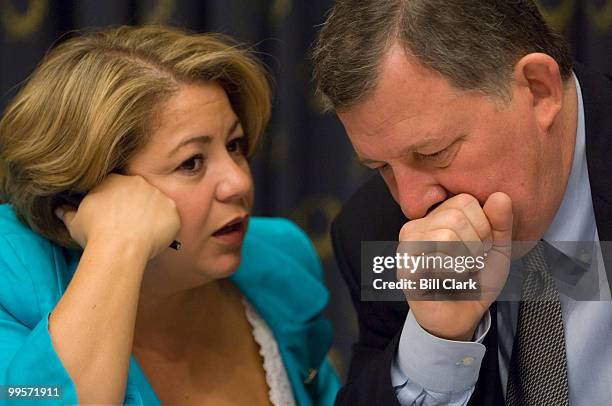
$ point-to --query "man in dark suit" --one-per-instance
(482, 129)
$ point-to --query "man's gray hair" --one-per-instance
(473, 43)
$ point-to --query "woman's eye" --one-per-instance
(193, 164)
(238, 145)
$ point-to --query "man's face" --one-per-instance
(430, 142)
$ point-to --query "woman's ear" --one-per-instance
(540, 75)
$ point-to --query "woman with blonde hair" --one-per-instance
(128, 274)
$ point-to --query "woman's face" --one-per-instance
(196, 156)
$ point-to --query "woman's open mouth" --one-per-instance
(233, 232)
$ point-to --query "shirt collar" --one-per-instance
(575, 219)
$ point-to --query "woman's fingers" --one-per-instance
(66, 214)
(127, 208)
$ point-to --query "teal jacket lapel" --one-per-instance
(284, 283)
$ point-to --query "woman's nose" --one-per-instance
(235, 183)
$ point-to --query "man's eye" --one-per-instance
(432, 157)
(238, 145)
(193, 164)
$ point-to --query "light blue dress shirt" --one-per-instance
(432, 371)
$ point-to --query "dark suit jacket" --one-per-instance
(372, 215)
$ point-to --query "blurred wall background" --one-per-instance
(305, 169)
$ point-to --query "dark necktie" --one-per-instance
(538, 371)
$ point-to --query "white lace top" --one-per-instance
(280, 392)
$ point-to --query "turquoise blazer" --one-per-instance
(280, 276)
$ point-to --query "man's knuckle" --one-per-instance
(407, 229)
(172, 205)
(447, 235)
(455, 218)
(465, 200)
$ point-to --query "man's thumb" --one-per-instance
(498, 209)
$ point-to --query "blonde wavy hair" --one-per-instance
(86, 110)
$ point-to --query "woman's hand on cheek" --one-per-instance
(126, 211)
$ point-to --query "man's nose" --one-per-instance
(416, 191)
(235, 182)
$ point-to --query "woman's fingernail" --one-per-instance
(59, 212)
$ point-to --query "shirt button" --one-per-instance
(466, 361)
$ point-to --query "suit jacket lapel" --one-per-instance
(488, 389)
(597, 97)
